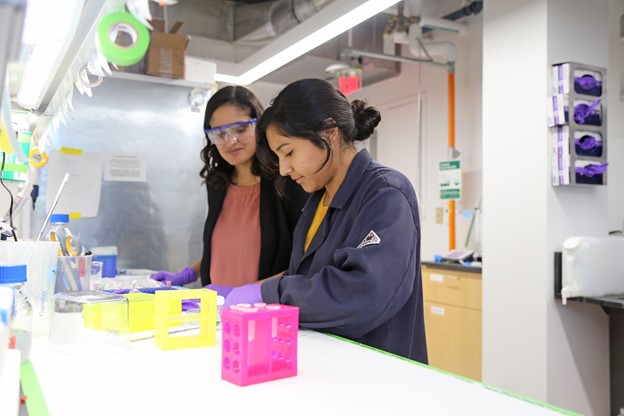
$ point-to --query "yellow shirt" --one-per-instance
(321, 210)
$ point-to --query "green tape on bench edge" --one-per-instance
(35, 402)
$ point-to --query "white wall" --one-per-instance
(514, 161)
(615, 126)
(531, 344)
(578, 337)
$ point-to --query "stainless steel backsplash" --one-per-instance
(155, 224)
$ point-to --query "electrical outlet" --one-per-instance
(439, 215)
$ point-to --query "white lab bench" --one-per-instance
(334, 377)
(9, 383)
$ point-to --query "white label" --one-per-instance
(436, 310)
(434, 277)
(125, 167)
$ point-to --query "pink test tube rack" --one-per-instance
(258, 343)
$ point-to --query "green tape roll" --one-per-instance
(118, 54)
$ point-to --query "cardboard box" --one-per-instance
(165, 56)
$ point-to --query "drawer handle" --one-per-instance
(451, 277)
(437, 310)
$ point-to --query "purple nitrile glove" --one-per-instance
(582, 111)
(251, 294)
(588, 142)
(221, 290)
(186, 276)
(591, 170)
(587, 82)
(190, 305)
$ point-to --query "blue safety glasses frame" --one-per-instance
(237, 131)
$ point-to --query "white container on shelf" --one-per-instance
(592, 266)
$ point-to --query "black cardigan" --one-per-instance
(278, 217)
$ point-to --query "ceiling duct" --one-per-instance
(231, 31)
(280, 16)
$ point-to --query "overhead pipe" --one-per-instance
(473, 8)
(352, 53)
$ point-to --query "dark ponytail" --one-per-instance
(366, 119)
(306, 108)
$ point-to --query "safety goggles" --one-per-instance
(240, 131)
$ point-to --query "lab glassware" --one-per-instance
(20, 324)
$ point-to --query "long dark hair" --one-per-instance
(306, 108)
(216, 172)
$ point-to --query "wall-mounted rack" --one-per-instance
(578, 122)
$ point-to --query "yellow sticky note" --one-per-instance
(5, 143)
(70, 151)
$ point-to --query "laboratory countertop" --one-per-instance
(335, 377)
(452, 266)
(9, 383)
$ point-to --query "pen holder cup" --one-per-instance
(74, 274)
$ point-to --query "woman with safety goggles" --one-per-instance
(248, 231)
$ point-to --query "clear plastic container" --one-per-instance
(20, 324)
(89, 324)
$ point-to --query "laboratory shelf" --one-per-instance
(130, 76)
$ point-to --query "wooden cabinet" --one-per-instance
(452, 302)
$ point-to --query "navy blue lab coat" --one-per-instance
(371, 294)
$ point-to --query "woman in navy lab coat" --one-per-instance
(355, 265)
(248, 231)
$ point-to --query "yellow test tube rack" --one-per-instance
(168, 312)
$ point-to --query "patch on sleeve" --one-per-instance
(371, 238)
